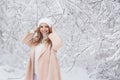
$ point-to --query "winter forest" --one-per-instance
(90, 30)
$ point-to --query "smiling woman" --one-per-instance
(43, 63)
(44, 29)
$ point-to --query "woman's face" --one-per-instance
(44, 28)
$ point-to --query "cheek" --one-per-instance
(47, 29)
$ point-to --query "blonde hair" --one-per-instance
(38, 39)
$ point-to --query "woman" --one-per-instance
(44, 43)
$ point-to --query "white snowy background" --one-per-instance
(90, 30)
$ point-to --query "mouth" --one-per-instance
(44, 31)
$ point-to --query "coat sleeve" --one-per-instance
(27, 39)
(56, 41)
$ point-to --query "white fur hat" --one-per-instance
(45, 20)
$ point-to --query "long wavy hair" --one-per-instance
(38, 39)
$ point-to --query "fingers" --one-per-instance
(53, 29)
(35, 29)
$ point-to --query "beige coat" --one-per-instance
(48, 64)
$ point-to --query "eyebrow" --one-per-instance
(45, 26)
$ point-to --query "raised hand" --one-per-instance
(53, 29)
(35, 29)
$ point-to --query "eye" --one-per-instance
(41, 26)
(47, 26)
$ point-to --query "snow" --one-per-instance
(90, 30)
(75, 74)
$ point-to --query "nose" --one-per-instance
(44, 28)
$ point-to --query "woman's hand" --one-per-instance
(35, 29)
(53, 29)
